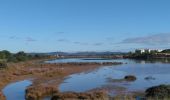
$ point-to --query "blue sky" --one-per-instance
(84, 25)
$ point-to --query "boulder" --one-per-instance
(160, 92)
(130, 78)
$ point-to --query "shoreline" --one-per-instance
(45, 76)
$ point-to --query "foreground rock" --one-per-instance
(130, 78)
(80, 96)
(159, 92)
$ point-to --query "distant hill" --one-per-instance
(96, 53)
(51, 53)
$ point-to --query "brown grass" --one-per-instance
(36, 92)
(80, 96)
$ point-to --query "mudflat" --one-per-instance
(45, 77)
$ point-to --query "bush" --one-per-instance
(3, 65)
(20, 56)
(130, 78)
(12, 59)
(5, 54)
(160, 92)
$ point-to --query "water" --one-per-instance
(79, 60)
(16, 91)
(157, 70)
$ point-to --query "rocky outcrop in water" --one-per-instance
(130, 78)
(150, 78)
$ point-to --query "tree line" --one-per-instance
(6, 56)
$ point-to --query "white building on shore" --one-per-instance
(147, 50)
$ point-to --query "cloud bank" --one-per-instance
(157, 39)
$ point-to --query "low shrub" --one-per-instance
(3, 65)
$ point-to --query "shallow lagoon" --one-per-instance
(98, 79)
(158, 72)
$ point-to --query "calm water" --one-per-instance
(16, 91)
(156, 70)
(69, 60)
(98, 79)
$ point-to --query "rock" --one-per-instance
(159, 92)
(130, 78)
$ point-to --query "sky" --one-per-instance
(84, 25)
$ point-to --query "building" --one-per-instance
(140, 51)
(159, 50)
